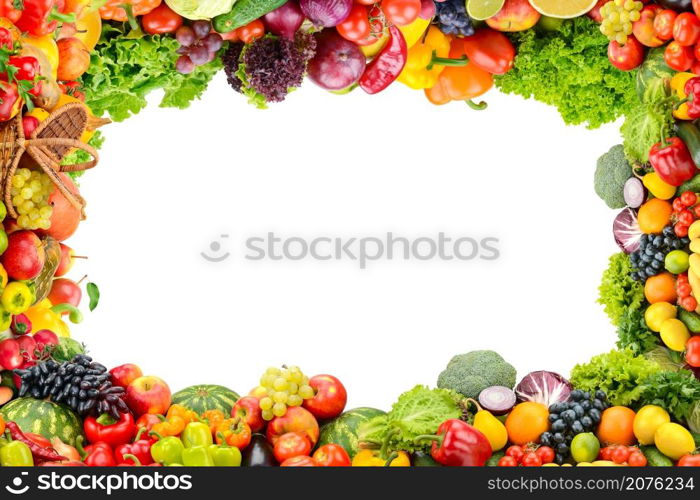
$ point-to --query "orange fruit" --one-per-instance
(617, 426)
(526, 422)
(654, 215)
(661, 288)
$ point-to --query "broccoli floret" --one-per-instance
(611, 173)
(471, 373)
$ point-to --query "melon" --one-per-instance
(343, 429)
(45, 418)
(203, 397)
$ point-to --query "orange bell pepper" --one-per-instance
(171, 426)
(460, 83)
(182, 412)
(234, 432)
(114, 10)
(213, 419)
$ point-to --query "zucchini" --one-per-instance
(690, 319)
(244, 12)
(690, 135)
(493, 461)
(655, 458)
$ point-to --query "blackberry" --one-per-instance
(82, 384)
(648, 259)
(451, 18)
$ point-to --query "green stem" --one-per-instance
(63, 18)
(133, 23)
(79, 446)
(477, 106)
(391, 458)
(134, 458)
(75, 315)
(446, 61)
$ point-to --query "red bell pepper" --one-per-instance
(8, 10)
(458, 444)
(41, 17)
(106, 430)
(25, 68)
(140, 448)
(387, 65)
(672, 161)
(490, 50)
(97, 454)
(148, 420)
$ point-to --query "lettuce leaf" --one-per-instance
(618, 292)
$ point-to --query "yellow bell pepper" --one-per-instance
(492, 428)
(656, 186)
(371, 458)
(425, 58)
(48, 46)
(3, 278)
(678, 88)
(43, 318)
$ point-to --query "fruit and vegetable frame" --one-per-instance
(70, 67)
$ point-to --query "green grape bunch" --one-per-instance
(30, 196)
(618, 18)
(284, 387)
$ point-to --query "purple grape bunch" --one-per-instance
(198, 46)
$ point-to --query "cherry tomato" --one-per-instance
(683, 289)
(689, 198)
(516, 452)
(605, 453)
(696, 211)
(300, 461)
(692, 351)
(678, 205)
(251, 31)
(401, 12)
(686, 217)
(620, 454)
(681, 230)
(682, 278)
(332, 455)
(507, 461)
(356, 26)
(688, 303)
(161, 20)
(628, 56)
(663, 24)
(290, 445)
(686, 29)
(637, 459)
(546, 454)
(531, 460)
(679, 57)
(689, 460)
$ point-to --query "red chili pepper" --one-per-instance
(8, 10)
(672, 161)
(140, 448)
(97, 454)
(41, 17)
(387, 65)
(458, 444)
(38, 452)
(105, 429)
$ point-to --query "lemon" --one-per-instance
(563, 10)
(674, 334)
(657, 313)
(481, 10)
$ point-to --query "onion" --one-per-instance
(497, 399)
(634, 192)
(626, 230)
(285, 20)
(326, 13)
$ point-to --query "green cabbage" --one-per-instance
(200, 9)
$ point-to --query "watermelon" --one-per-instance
(44, 417)
(343, 429)
(66, 349)
(203, 397)
(653, 77)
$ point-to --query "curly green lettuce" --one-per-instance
(676, 391)
(124, 68)
(618, 292)
(634, 334)
(569, 68)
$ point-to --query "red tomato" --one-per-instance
(356, 26)
(692, 351)
(161, 20)
(637, 459)
(290, 445)
(507, 461)
(628, 56)
(332, 455)
(300, 461)
(401, 12)
(366, 2)
(679, 57)
(251, 31)
(330, 397)
(248, 409)
(686, 217)
(606, 453)
(689, 198)
(620, 454)
(531, 460)
(686, 29)
(689, 460)
(546, 454)
(663, 24)
(516, 452)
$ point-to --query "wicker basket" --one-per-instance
(58, 134)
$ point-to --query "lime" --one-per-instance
(480, 10)
(563, 9)
(585, 447)
(676, 262)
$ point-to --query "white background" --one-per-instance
(171, 181)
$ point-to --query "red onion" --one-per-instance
(285, 20)
(326, 13)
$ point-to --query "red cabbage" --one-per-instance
(543, 387)
(626, 230)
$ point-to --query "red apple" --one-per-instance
(595, 14)
(330, 398)
(24, 257)
(516, 15)
(65, 291)
(65, 217)
(643, 29)
(44, 338)
(67, 260)
(148, 394)
(123, 375)
(10, 355)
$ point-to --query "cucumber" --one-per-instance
(690, 135)
(493, 461)
(244, 12)
(690, 319)
(655, 458)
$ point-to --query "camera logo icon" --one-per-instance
(17, 487)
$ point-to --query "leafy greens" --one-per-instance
(618, 292)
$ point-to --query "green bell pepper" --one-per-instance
(196, 434)
(167, 450)
(225, 456)
(16, 454)
(197, 456)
